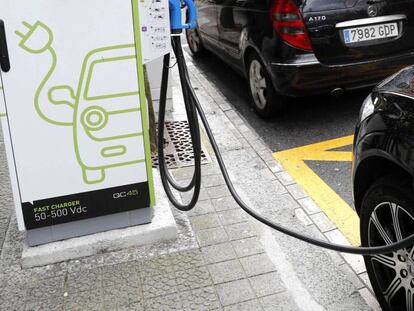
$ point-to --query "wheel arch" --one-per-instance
(249, 50)
(372, 168)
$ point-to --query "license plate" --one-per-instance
(367, 33)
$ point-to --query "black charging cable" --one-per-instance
(193, 107)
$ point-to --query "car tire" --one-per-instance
(195, 43)
(387, 215)
(266, 102)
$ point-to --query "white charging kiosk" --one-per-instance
(74, 112)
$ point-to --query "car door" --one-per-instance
(229, 25)
(207, 20)
(352, 31)
(237, 19)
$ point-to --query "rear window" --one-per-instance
(327, 5)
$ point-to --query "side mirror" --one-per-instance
(62, 95)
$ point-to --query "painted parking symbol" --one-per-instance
(337, 210)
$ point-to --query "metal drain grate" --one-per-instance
(178, 148)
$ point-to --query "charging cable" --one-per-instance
(195, 110)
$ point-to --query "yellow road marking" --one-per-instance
(2, 114)
(338, 211)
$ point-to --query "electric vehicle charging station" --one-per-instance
(96, 119)
(76, 131)
(95, 162)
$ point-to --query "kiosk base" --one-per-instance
(161, 228)
(88, 226)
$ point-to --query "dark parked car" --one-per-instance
(306, 47)
(383, 168)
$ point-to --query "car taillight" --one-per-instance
(289, 25)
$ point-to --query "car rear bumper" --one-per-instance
(306, 76)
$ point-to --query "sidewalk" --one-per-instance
(222, 260)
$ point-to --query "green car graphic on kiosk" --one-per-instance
(101, 117)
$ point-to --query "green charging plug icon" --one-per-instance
(104, 111)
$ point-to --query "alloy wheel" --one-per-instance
(258, 84)
(394, 272)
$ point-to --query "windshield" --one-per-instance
(114, 77)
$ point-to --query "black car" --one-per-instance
(383, 168)
(291, 48)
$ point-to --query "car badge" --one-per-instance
(372, 11)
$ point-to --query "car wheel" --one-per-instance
(266, 102)
(387, 215)
(194, 42)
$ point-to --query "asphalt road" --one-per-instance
(306, 121)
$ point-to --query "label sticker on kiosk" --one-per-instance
(76, 131)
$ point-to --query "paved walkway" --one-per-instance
(222, 260)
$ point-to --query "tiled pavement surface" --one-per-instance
(223, 260)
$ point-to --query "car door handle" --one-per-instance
(4, 53)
